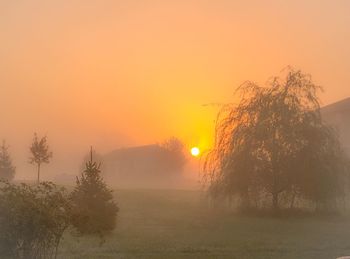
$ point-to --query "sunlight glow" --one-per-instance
(195, 151)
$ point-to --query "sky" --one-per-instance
(113, 73)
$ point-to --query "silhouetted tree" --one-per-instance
(39, 152)
(274, 142)
(93, 208)
(7, 170)
(324, 174)
(176, 158)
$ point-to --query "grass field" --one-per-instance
(177, 224)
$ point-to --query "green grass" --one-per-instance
(177, 224)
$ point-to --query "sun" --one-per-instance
(195, 151)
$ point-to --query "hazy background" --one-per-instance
(123, 73)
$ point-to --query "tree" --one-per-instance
(32, 220)
(7, 170)
(97, 157)
(325, 172)
(274, 142)
(175, 155)
(39, 152)
(93, 208)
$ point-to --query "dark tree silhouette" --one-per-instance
(7, 170)
(176, 158)
(39, 152)
(93, 208)
(274, 142)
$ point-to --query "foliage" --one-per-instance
(175, 156)
(274, 143)
(93, 208)
(39, 152)
(7, 170)
(32, 219)
(97, 156)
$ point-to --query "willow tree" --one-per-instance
(273, 142)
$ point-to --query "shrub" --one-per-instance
(32, 219)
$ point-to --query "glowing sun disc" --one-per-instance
(195, 151)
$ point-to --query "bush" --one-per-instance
(32, 219)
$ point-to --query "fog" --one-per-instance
(174, 129)
(119, 74)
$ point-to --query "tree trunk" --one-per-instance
(229, 202)
(245, 199)
(275, 201)
(38, 173)
(293, 200)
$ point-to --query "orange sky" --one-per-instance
(119, 73)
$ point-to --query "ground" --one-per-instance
(178, 224)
